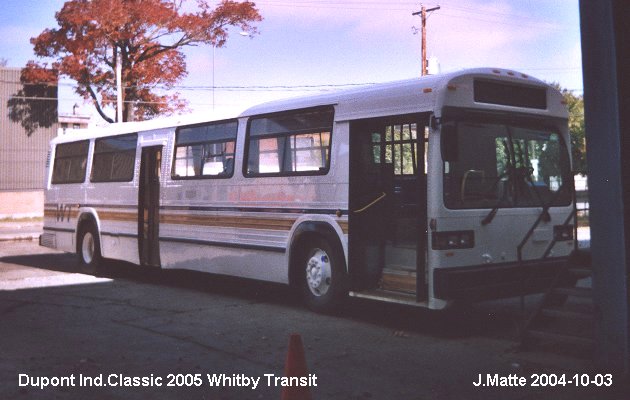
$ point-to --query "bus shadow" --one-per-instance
(242, 288)
(59, 262)
(498, 319)
(247, 289)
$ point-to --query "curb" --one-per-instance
(19, 238)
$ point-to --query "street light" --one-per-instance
(214, 46)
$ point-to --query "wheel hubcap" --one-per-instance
(87, 248)
(318, 272)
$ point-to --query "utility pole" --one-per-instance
(119, 92)
(423, 14)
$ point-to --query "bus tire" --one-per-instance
(321, 270)
(89, 250)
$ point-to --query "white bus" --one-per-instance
(444, 188)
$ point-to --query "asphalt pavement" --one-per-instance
(133, 322)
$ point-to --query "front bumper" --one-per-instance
(48, 239)
(493, 281)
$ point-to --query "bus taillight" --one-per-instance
(563, 232)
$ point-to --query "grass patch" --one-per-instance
(24, 219)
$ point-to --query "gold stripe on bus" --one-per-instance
(118, 216)
(201, 220)
(54, 213)
(228, 222)
(344, 226)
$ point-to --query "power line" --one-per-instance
(536, 23)
(298, 87)
(31, 98)
(364, 5)
(305, 87)
(394, 6)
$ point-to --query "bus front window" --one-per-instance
(497, 165)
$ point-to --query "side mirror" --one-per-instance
(449, 142)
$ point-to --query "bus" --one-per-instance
(429, 191)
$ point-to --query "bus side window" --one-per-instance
(291, 143)
(204, 150)
(69, 165)
(114, 158)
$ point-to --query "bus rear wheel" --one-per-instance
(322, 273)
(89, 250)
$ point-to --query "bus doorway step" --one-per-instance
(399, 279)
(390, 297)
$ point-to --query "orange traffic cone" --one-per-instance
(295, 366)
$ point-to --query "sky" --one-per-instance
(310, 46)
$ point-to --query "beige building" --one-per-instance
(68, 122)
(27, 124)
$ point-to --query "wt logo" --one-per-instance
(63, 212)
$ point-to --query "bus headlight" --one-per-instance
(453, 240)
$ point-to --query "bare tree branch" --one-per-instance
(97, 104)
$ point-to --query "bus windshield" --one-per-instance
(492, 165)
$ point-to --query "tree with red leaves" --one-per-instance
(146, 36)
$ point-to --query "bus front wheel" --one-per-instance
(89, 250)
(323, 276)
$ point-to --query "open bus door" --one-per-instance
(388, 204)
(149, 206)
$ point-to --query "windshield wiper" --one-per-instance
(490, 215)
(488, 218)
(544, 215)
(545, 207)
